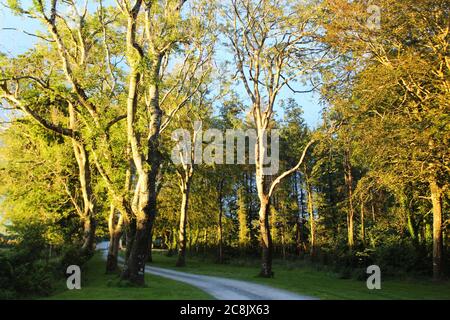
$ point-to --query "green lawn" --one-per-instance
(290, 276)
(97, 285)
(309, 281)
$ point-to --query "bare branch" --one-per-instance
(275, 183)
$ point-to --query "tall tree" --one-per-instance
(274, 43)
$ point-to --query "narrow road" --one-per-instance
(221, 288)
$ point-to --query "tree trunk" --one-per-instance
(205, 241)
(373, 212)
(266, 239)
(113, 252)
(147, 165)
(274, 231)
(150, 247)
(410, 223)
(363, 233)
(88, 246)
(436, 198)
(88, 210)
(220, 228)
(350, 215)
(115, 234)
(84, 176)
(244, 236)
(299, 236)
(174, 239)
(311, 221)
(134, 270)
(195, 240)
(350, 228)
(299, 242)
(185, 188)
(146, 209)
(283, 243)
(264, 202)
(130, 234)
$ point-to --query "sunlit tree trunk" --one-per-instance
(244, 235)
(299, 241)
(185, 188)
(205, 240)
(436, 199)
(174, 237)
(115, 224)
(350, 214)
(363, 234)
(220, 224)
(312, 224)
(145, 192)
(84, 174)
(266, 239)
(410, 223)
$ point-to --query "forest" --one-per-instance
(117, 125)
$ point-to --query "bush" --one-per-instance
(402, 257)
(34, 278)
(22, 277)
(72, 255)
(6, 277)
(394, 256)
(26, 270)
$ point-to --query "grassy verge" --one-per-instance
(96, 285)
(309, 281)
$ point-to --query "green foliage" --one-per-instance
(31, 268)
(15, 6)
(383, 140)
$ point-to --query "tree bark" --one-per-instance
(349, 183)
(220, 227)
(205, 241)
(147, 166)
(185, 188)
(244, 234)
(89, 226)
(135, 268)
(145, 211)
(113, 252)
(84, 176)
(299, 242)
(150, 247)
(220, 236)
(264, 201)
(130, 234)
(312, 226)
(436, 198)
(115, 224)
(266, 239)
(363, 231)
(373, 212)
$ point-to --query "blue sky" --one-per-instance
(13, 42)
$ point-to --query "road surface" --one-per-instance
(221, 288)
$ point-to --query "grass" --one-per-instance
(309, 281)
(291, 276)
(96, 285)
